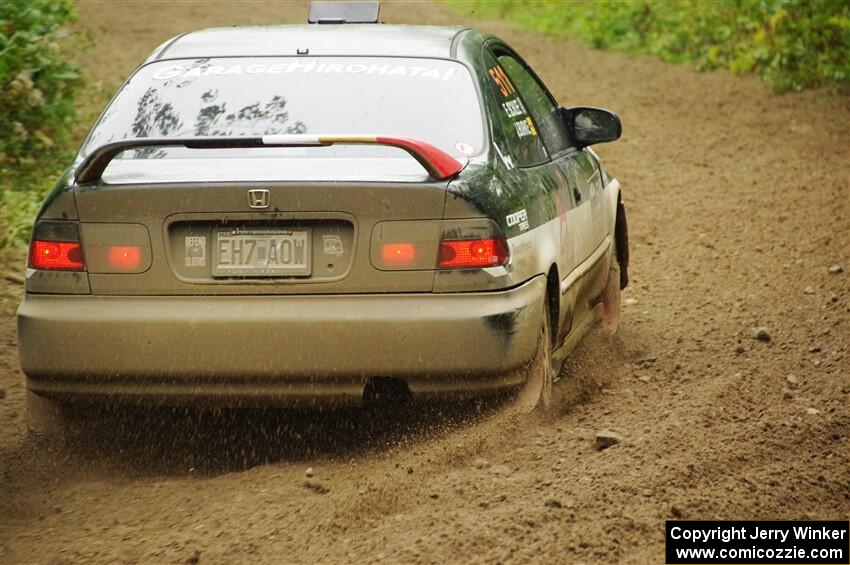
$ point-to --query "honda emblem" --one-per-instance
(259, 198)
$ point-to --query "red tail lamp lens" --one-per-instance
(398, 254)
(56, 255)
(472, 253)
(125, 257)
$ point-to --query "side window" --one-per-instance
(583, 177)
(511, 116)
(543, 111)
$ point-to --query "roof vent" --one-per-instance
(344, 12)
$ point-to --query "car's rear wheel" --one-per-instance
(536, 392)
(611, 297)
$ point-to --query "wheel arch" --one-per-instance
(553, 298)
(621, 239)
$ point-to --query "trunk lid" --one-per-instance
(315, 234)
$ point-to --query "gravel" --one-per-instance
(762, 334)
(607, 438)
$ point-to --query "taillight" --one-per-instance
(116, 248)
(398, 254)
(472, 253)
(125, 257)
(427, 245)
(56, 255)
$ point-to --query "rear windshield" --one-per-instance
(428, 99)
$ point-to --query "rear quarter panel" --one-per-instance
(530, 205)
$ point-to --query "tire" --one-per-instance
(536, 393)
(610, 304)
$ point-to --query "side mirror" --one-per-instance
(587, 126)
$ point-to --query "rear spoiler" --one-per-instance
(439, 164)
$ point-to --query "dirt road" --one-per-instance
(739, 204)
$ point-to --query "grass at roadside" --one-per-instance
(792, 44)
(44, 108)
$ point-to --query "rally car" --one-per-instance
(321, 212)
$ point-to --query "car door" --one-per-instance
(582, 226)
(537, 147)
(585, 181)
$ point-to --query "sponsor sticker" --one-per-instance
(303, 67)
(196, 250)
(519, 218)
(464, 148)
(332, 245)
(525, 128)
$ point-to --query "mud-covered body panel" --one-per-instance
(272, 348)
(342, 218)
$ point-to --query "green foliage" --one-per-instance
(37, 90)
(793, 44)
(17, 211)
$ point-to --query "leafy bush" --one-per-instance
(37, 88)
(793, 44)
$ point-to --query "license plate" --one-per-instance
(262, 253)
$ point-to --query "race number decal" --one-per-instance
(502, 81)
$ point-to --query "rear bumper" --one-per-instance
(280, 349)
